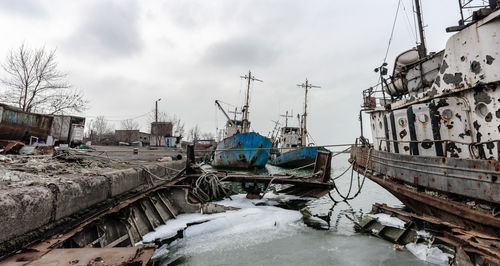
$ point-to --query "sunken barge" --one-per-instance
(435, 126)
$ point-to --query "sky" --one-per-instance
(124, 55)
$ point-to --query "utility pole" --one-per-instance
(156, 122)
(245, 114)
(422, 50)
(286, 116)
(303, 128)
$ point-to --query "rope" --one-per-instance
(267, 188)
(311, 164)
(208, 187)
(392, 31)
(272, 148)
(155, 176)
(360, 184)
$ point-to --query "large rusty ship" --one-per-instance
(435, 125)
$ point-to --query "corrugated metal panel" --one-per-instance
(19, 125)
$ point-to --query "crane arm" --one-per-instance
(227, 116)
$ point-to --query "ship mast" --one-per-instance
(245, 113)
(303, 127)
(422, 50)
(286, 116)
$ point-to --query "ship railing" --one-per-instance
(272, 148)
(474, 154)
(376, 96)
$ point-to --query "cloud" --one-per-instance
(110, 29)
(30, 8)
(242, 52)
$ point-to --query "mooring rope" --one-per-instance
(208, 187)
(360, 185)
(311, 164)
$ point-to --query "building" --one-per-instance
(161, 134)
(161, 129)
(132, 136)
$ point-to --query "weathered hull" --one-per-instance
(453, 178)
(299, 157)
(243, 151)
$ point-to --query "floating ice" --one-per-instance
(430, 254)
(388, 220)
(424, 234)
(256, 223)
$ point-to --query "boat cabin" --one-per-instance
(230, 130)
(290, 137)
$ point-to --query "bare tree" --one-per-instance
(99, 127)
(35, 84)
(208, 136)
(129, 124)
(178, 126)
(194, 134)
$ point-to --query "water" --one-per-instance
(269, 235)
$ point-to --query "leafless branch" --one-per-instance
(34, 83)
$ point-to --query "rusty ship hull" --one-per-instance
(433, 189)
(435, 128)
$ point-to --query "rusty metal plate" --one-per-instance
(466, 177)
(138, 255)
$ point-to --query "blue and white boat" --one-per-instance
(293, 151)
(241, 148)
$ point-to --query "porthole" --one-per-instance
(402, 122)
(447, 114)
(481, 109)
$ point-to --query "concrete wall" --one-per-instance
(28, 208)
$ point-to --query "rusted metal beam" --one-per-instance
(138, 255)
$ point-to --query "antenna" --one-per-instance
(245, 112)
(286, 116)
(235, 112)
(303, 127)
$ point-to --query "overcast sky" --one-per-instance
(126, 54)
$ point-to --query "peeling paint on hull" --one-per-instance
(245, 151)
(297, 158)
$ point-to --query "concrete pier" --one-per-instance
(33, 201)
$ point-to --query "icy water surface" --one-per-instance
(261, 233)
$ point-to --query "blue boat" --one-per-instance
(299, 157)
(293, 151)
(241, 148)
(244, 150)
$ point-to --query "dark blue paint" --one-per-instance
(298, 157)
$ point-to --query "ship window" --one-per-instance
(402, 122)
(447, 114)
(380, 124)
(481, 109)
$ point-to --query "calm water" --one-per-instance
(290, 242)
